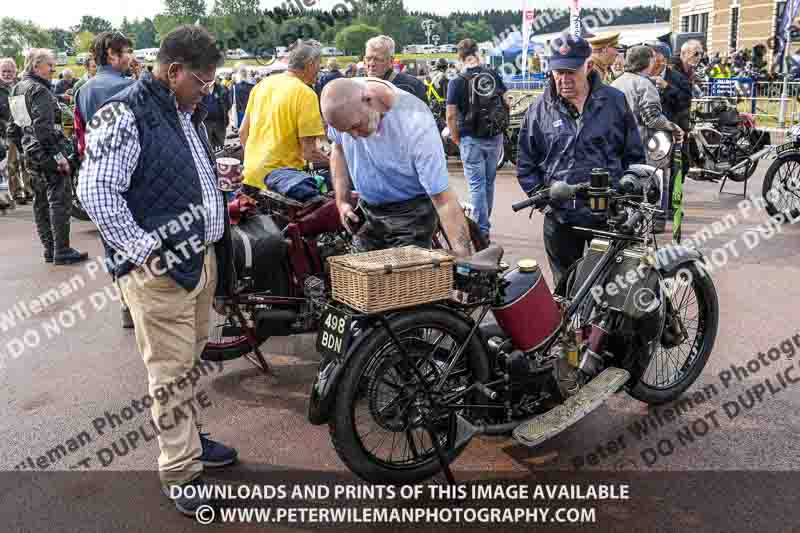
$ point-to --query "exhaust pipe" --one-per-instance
(752, 159)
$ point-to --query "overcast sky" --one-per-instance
(66, 13)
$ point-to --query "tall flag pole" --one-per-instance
(575, 18)
(527, 25)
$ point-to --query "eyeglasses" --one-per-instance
(207, 86)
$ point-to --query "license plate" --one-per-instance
(785, 147)
(333, 336)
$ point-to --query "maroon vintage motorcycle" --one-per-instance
(280, 249)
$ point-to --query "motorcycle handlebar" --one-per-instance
(537, 200)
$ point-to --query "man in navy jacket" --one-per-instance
(578, 124)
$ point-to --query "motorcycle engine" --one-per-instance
(330, 245)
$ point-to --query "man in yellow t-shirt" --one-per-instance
(282, 125)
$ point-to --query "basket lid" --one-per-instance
(527, 265)
(392, 259)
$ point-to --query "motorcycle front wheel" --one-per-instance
(383, 427)
(687, 340)
(781, 188)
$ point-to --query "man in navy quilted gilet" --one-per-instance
(148, 181)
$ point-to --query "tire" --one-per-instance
(221, 348)
(777, 193)
(357, 385)
(702, 287)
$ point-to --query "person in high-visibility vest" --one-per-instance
(721, 69)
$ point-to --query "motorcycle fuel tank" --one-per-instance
(528, 314)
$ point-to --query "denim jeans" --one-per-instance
(480, 168)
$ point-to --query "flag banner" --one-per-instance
(575, 18)
(782, 30)
(527, 24)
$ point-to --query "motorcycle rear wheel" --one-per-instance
(378, 392)
(689, 357)
(226, 348)
(781, 188)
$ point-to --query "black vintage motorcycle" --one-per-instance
(781, 187)
(404, 391)
(724, 143)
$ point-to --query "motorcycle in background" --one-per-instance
(781, 187)
(725, 144)
(280, 249)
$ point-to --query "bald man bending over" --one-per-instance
(386, 143)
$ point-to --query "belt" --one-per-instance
(395, 206)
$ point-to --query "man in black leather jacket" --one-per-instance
(36, 127)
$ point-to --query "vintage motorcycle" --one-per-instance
(281, 248)
(724, 144)
(404, 391)
(781, 187)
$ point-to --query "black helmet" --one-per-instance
(442, 64)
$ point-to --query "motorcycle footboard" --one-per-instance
(547, 425)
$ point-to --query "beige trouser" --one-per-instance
(19, 183)
(171, 331)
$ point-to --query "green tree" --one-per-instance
(62, 39)
(353, 39)
(234, 7)
(83, 41)
(187, 11)
(17, 35)
(298, 28)
(93, 24)
(144, 33)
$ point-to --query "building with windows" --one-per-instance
(729, 24)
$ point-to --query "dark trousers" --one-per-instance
(52, 200)
(216, 133)
(564, 246)
(397, 224)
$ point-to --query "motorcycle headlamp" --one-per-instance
(659, 146)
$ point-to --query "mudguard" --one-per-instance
(323, 390)
(670, 258)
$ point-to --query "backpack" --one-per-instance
(485, 111)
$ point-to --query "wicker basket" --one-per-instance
(390, 279)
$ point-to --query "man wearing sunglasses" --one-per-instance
(149, 184)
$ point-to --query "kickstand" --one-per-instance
(442, 459)
(251, 339)
(725, 179)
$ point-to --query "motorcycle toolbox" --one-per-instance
(259, 253)
(630, 287)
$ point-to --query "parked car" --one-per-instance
(61, 59)
(426, 49)
(447, 49)
(331, 51)
(81, 59)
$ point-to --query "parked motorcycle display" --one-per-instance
(781, 187)
(404, 391)
(280, 251)
(724, 144)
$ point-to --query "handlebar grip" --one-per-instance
(532, 201)
(629, 225)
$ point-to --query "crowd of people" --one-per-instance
(155, 161)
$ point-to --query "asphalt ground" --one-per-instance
(71, 374)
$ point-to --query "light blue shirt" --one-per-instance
(402, 160)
